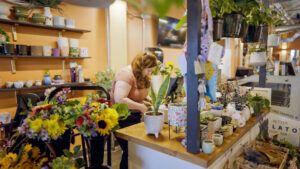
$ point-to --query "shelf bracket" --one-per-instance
(63, 67)
(13, 66)
(14, 33)
(60, 34)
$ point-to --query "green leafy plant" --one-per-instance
(221, 7)
(158, 7)
(105, 79)
(47, 73)
(163, 69)
(122, 110)
(258, 103)
(5, 37)
(69, 159)
(54, 4)
(157, 99)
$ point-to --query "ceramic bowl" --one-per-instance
(18, 84)
(29, 83)
(38, 83)
(9, 84)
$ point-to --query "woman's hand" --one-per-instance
(143, 108)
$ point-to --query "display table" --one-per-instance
(147, 152)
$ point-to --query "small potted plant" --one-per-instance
(47, 5)
(47, 78)
(159, 74)
(154, 119)
(258, 103)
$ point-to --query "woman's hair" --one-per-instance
(139, 63)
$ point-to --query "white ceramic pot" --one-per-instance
(208, 146)
(4, 10)
(84, 52)
(59, 21)
(38, 83)
(48, 15)
(70, 23)
(258, 58)
(218, 139)
(29, 83)
(153, 123)
(18, 84)
(47, 50)
(215, 125)
(9, 84)
(156, 81)
(5, 117)
(177, 114)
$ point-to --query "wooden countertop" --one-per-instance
(137, 134)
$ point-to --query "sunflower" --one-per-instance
(54, 126)
(111, 114)
(27, 148)
(104, 125)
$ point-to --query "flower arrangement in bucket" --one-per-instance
(154, 119)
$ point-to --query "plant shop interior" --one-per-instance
(150, 84)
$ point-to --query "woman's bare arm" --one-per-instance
(121, 92)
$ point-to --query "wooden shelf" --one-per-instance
(41, 57)
(28, 24)
(44, 87)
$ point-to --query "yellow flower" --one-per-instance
(104, 125)
(36, 125)
(55, 127)
(42, 161)
(95, 104)
(11, 156)
(170, 64)
(27, 148)
(83, 100)
(35, 152)
(112, 115)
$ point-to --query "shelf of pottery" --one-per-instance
(66, 48)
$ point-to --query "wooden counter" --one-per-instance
(173, 146)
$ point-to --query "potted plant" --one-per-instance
(21, 13)
(154, 119)
(47, 5)
(4, 39)
(220, 8)
(258, 103)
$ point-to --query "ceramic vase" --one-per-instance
(153, 123)
(177, 114)
(48, 15)
(208, 146)
(156, 81)
(47, 80)
(4, 10)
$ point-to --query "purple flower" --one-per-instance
(44, 135)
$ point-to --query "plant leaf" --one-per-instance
(182, 21)
(161, 93)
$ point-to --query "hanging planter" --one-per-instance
(244, 29)
(255, 33)
(232, 25)
(217, 29)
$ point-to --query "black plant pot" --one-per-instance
(7, 49)
(244, 29)
(256, 34)
(62, 143)
(97, 151)
(232, 25)
(217, 29)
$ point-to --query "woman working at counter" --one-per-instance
(131, 86)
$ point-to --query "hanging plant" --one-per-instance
(5, 36)
(54, 4)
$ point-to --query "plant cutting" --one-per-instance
(154, 119)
